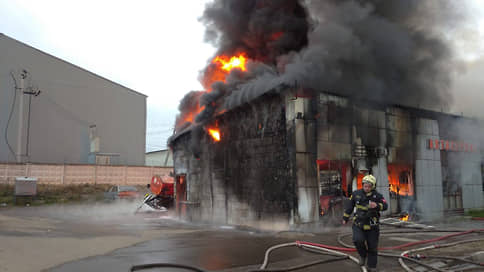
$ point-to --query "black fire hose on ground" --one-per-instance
(160, 265)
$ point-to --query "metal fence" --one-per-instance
(66, 174)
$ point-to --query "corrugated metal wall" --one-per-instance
(71, 100)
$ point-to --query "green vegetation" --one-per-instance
(51, 194)
(476, 213)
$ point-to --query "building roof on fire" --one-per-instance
(431, 114)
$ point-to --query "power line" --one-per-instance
(10, 115)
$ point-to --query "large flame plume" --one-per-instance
(220, 67)
(218, 70)
(229, 64)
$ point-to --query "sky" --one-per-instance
(153, 47)
(157, 48)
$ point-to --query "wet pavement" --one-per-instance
(110, 237)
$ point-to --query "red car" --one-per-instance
(122, 192)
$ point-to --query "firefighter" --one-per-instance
(369, 203)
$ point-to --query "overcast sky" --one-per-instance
(157, 48)
(153, 47)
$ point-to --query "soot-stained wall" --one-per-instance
(246, 177)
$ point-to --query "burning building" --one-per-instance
(268, 141)
(283, 155)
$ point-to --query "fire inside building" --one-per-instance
(291, 156)
(304, 98)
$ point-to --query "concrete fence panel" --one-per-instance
(79, 174)
(46, 174)
(65, 174)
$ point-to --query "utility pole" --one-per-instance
(20, 130)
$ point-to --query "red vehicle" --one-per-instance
(163, 191)
(163, 187)
(122, 192)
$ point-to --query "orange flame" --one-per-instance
(217, 71)
(404, 218)
(215, 133)
(231, 63)
(190, 116)
(220, 68)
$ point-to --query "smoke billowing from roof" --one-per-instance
(262, 29)
(372, 49)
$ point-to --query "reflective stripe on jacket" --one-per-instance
(365, 217)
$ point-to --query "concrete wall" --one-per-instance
(65, 174)
(71, 100)
(333, 128)
(246, 178)
(301, 130)
(464, 168)
(428, 172)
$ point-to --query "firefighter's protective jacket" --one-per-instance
(364, 217)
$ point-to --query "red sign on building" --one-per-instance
(450, 145)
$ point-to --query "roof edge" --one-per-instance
(83, 69)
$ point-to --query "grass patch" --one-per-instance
(53, 194)
(476, 213)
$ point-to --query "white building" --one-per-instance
(162, 158)
(68, 114)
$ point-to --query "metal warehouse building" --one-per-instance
(288, 155)
(52, 111)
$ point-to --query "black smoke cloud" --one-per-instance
(388, 51)
(379, 50)
(263, 30)
(188, 105)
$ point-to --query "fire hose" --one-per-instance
(341, 236)
(406, 253)
(340, 256)
(335, 251)
(352, 249)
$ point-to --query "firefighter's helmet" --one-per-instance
(370, 179)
